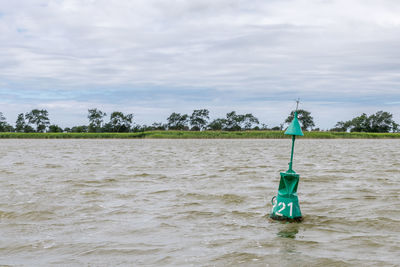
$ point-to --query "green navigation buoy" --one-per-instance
(286, 204)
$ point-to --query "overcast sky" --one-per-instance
(155, 57)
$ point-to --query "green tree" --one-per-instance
(249, 121)
(395, 127)
(4, 126)
(95, 117)
(2, 118)
(55, 129)
(20, 123)
(158, 126)
(39, 118)
(233, 121)
(217, 125)
(199, 118)
(341, 126)
(79, 129)
(305, 118)
(137, 128)
(176, 121)
(380, 122)
(360, 124)
(119, 122)
(28, 129)
(237, 122)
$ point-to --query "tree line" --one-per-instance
(38, 121)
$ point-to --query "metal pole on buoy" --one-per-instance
(286, 204)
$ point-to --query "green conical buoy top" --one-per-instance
(294, 127)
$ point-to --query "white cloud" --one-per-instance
(315, 49)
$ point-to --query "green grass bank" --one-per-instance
(200, 135)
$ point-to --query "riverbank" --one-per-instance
(200, 135)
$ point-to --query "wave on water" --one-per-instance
(163, 203)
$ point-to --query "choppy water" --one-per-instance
(197, 203)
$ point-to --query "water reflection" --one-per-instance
(289, 231)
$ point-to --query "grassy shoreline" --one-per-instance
(199, 135)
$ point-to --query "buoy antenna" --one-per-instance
(297, 103)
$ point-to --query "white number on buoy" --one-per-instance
(274, 204)
(291, 208)
(283, 206)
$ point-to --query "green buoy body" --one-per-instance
(286, 204)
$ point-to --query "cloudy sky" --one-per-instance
(155, 57)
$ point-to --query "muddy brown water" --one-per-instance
(197, 203)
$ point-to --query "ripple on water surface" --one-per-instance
(197, 203)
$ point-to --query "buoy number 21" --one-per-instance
(282, 207)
